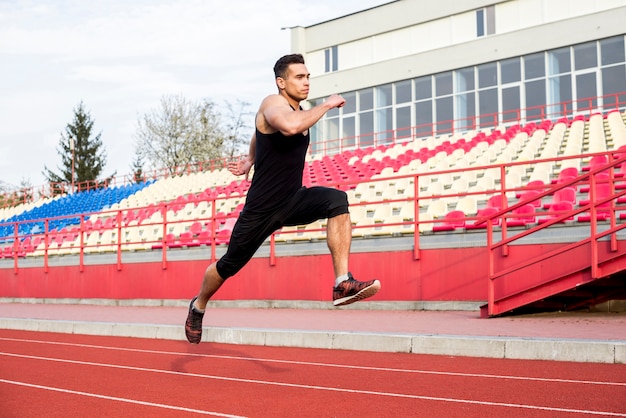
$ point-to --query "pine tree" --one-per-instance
(137, 169)
(82, 157)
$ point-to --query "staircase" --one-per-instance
(551, 277)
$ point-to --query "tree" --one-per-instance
(179, 133)
(237, 127)
(137, 169)
(82, 157)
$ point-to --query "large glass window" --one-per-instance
(488, 107)
(534, 66)
(510, 70)
(465, 79)
(445, 114)
(535, 99)
(384, 125)
(612, 50)
(510, 103)
(585, 56)
(424, 118)
(403, 91)
(348, 132)
(560, 95)
(614, 82)
(547, 84)
(559, 61)
(443, 84)
(466, 111)
(366, 129)
(423, 88)
(383, 96)
(366, 99)
(403, 122)
(586, 91)
(487, 75)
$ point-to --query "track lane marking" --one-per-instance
(114, 398)
(324, 388)
(306, 363)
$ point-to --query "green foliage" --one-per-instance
(82, 155)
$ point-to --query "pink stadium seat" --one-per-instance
(562, 206)
(452, 220)
(522, 216)
(528, 195)
(567, 194)
(595, 162)
(482, 213)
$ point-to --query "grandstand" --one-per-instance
(485, 167)
(479, 201)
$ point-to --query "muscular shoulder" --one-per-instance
(271, 107)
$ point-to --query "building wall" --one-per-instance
(389, 47)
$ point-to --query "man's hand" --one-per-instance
(335, 100)
(240, 167)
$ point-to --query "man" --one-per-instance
(276, 197)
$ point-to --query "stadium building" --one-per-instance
(482, 148)
(412, 68)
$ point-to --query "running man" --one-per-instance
(276, 197)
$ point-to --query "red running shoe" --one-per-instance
(351, 290)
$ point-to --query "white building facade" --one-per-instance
(413, 68)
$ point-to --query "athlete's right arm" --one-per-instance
(281, 117)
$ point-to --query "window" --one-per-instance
(585, 56)
(559, 61)
(535, 99)
(488, 107)
(330, 59)
(445, 114)
(465, 79)
(510, 103)
(612, 50)
(423, 88)
(366, 129)
(443, 84)
(403, 122)
(466, 111)
(423, 118)
(383, 96)
(348, 131)
(534, 66)
(510, 70)
(366, 99)
(486, 21)
(350, 106)
(403, 91)
(487, 75)
(613, 82)
(585, 90)
(560, 91)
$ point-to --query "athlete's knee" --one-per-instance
(338, 204)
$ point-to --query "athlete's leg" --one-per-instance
(339, 239)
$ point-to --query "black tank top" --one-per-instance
(278, 166)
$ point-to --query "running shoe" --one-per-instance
(351, 290)
(193, 325)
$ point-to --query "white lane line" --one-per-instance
(324, 388)
(341, 366)
(114, 398)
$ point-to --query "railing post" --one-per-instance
(416, 221)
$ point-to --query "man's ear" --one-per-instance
(280, 82)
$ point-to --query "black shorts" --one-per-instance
(252, 229)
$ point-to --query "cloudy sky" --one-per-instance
(121, 56)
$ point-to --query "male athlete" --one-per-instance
(276, 197)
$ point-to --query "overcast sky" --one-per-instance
(121, 56)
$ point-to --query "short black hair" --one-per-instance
(280, 68)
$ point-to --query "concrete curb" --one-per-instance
(592, 351)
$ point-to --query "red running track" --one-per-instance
(64, 375)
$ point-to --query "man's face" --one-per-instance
(296, 82)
